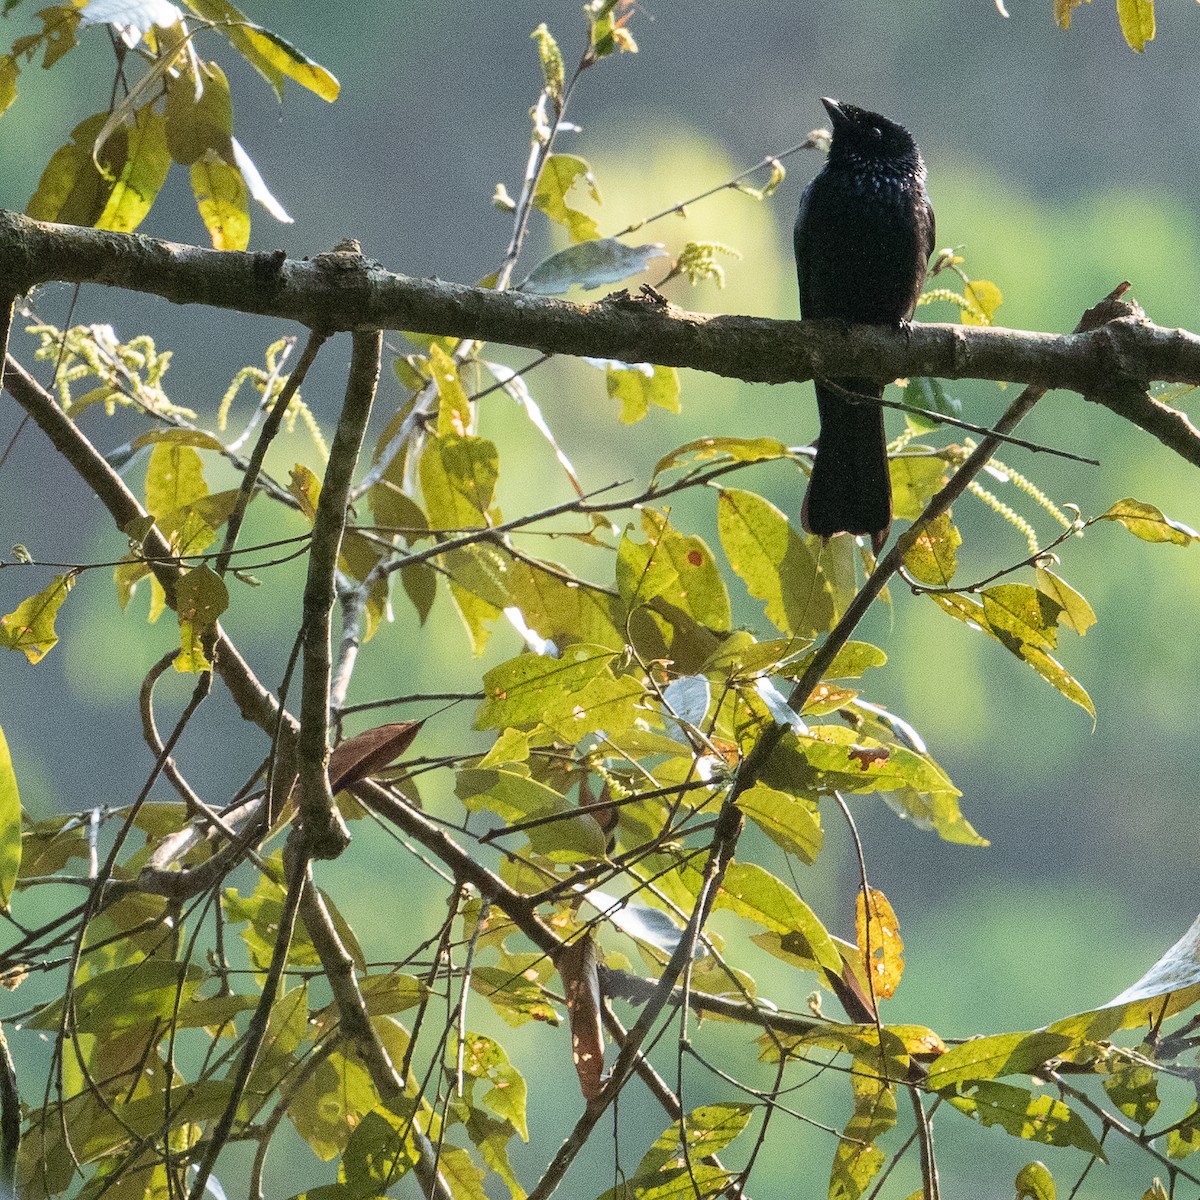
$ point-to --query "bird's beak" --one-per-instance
(834, 109)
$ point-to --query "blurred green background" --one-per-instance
(1061, 162)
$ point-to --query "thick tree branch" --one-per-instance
(1112, 364)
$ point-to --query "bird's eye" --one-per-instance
(876, 132)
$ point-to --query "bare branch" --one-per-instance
(1112, 364)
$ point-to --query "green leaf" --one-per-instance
(641, 385)
(125, 997)
(1002, 1054)
(1148, 523)
(590, 265)
(933, 558)
(1021, 616)
(857, 763)
(1034, 1118)
(916, 479)
(930, 396)
(643, 573)
(485, 1059)
(174, 478)
(732, 448)
(1184, 1139)
(515, 798)
(1034, 1182)
(458, 480)
(420, 586)
(142, 175)
(1137, 22)
(329, 1104)
(199, 123)
(1133, 1088)
(519, 691)
(463, 1176)
(757, 895)
(379, 1153)
(560, 175)
(514, 997)
(30, 626)
(699, 589)
(857, 1160)
(1076, 612)
(10, 825)
(793, 825)
(774, 562)
(222, 200)
(1053, 672)
(936, 810)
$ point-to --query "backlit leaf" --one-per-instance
(1021, 1113)
(10, 825)
(1148, 523)
(1137, 22)
(774, 562)
(638, 386)
(30, 626)
(142, 175)
(793, 825)
(223, 201)
(932, 558)
(561, 174)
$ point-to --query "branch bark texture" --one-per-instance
(345, 291)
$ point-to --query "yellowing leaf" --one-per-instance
(200, 597)
(174, 478)
(983, 298)
(1148, 523)
(1034, 1182)
(8, 81)
(142, 175)
(223, 201)
(71, 190)
(1137, 22)
(932, 558)
(199, 123)
(639, 386)
(559, 176)
(306, 488)
(293, 63)
(454, 410)
(879, 942)
(10, 825)
(30, 626)
(271, 56)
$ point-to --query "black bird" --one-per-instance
(863, 240)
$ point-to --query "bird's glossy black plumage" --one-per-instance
(863, 240)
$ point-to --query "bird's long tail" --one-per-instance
(850, 490)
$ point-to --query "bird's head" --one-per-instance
(865, 138)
